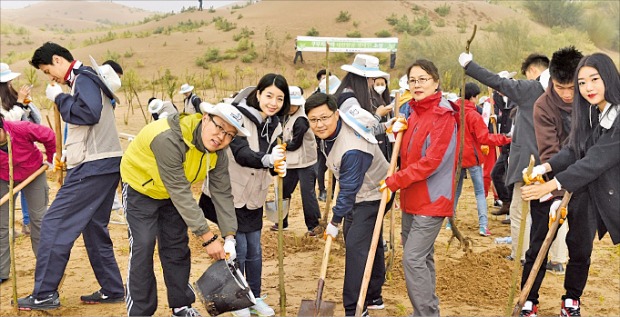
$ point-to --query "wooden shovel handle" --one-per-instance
(23, 184)
(540, 257)
(378, 226)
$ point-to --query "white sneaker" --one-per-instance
(242, 313)
(262, 309)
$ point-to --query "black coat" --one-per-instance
(599, 170)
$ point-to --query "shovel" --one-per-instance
(318, 307)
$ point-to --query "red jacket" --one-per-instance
(26, 156)
(428, 158)
(476, 134)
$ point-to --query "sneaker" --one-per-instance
(448, 226)
(570, 307)
(261, 308)
(484, 231)
(498, 203)
(51, 301)
(311, 233)
(275, 228)
(557, 268)
(506, 221)
(242, 313)
(529, 309)
(100, 298)
(322, 195)
(186, 311)
(376, 304)
(26, 230)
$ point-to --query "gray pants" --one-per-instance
(418, 236)
(36, 194)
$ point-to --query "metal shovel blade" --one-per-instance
(309, 307)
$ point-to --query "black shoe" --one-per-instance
(322, 195)
(275, 228)
(376, 304)
(506, 221)
(51, 301)
(100, 298)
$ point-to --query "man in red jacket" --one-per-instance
(476, 134)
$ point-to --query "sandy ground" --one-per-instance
(472, 284)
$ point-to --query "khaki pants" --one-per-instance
(558, 252)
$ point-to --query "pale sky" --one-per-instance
(151, 5)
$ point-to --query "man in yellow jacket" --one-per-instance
(157, 171)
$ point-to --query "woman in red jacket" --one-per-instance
(426, 181)
(26, 160)
(476, 135)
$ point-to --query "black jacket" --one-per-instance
(599, 171)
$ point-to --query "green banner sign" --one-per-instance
(346, 44)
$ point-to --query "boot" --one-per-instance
(26, 230)
(504, 210)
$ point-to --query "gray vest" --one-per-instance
(86, 143)
(306, 154)
(348, 140)
(250, 185)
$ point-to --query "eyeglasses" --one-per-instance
(421, 80)
(221, 130)
(315, 121)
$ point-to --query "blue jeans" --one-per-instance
(477, 178)
(250, 258)
(25, 214)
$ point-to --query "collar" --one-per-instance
(70, 76)
(608, 116)
(426, 103)
(197, 141)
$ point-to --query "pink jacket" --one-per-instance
(26, 156)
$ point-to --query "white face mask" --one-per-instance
(379, 89)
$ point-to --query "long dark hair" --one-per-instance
(384, 98)
(359, 85)
(8, 96)
(582, 112)
(266, 81)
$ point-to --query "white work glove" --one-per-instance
(59, 164)
(330, 230)
(229, 248)
(553, 212)
(50, 166)
(465, 58)
(52, 91)
(277, 154)
(280, 168)
(538, 170)
(396, 124)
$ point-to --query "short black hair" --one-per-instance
(471, 90)
(115, 66)
(151, 99)
(535, 59)
(564, 63)
(321, 73)
(43, 55)
(318, 99)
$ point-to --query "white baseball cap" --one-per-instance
(230, 113)
(297, 99)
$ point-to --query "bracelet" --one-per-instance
(206, 243)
